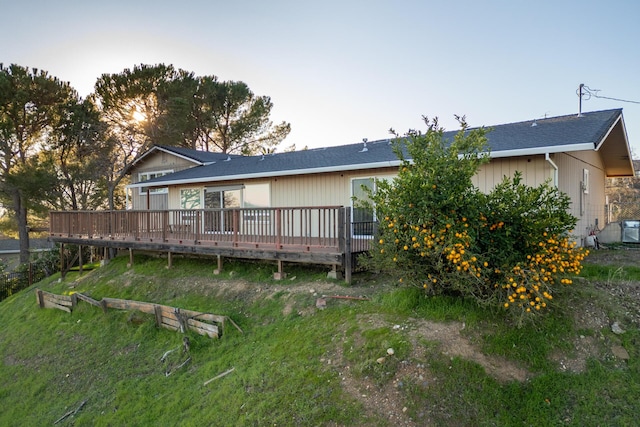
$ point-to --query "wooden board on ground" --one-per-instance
(173, 318)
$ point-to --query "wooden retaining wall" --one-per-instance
(173, 318)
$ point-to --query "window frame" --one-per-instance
(142, 191)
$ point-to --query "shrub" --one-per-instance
(509, 248)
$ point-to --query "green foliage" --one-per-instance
(509, 248)
(31, 105)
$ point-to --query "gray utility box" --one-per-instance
(631, 231)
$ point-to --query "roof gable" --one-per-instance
(197, 157)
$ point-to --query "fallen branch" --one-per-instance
(71, 413)
(167, 373)
(220, 376)
(234, 324)
(168, 352)
(346, 297)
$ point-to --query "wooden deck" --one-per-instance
(316, 235)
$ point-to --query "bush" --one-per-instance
(509, 248)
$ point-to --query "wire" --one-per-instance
(594, 92)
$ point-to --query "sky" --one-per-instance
(342, 71)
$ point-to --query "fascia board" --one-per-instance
(328, 169)
(156, 148)
(542, 150)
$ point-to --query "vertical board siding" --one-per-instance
(535, 170)
(586, 207)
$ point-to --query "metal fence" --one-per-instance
(616, 212)
(10, 283)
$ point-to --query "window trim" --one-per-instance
(142, 191)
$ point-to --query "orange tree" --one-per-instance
(509, 248)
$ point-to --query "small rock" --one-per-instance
(380, 360)
(321, 303)
(390, 351)
(616, 329)
(620, 352)
(405, 409)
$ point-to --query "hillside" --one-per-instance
(396, 358)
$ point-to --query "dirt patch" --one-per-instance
(387, 400)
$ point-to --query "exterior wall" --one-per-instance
(535, 170)
(155, 162)
(587, 205)
(320, 189)
(328, 189)
(335, 189)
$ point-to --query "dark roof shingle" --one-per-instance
(542, 135)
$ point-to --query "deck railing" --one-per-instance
(304, 228)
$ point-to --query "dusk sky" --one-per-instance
(341, 71)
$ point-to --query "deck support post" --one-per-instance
(62, 271)
(334, 273)
(130, 258)
(105, 257)
(279, 275)
(219, 269)
(80, 260)
(169, 260)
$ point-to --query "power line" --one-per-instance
(594, 92)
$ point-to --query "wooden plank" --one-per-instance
(51, 304)
(124, 304)
(157, 310)
(171, 323)
(204, 316)
(90, 300)
(40, 298)
(203, 328)
(58, 299)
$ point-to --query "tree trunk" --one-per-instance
(111, 190)
(21, 217)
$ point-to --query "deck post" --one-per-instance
(169, 260)
(348, 268)
(219, 269)
(165, 225)
(130, 258)
(80, 260)
(236, 217)
(279, 275)
(278, 228)
(62, 272)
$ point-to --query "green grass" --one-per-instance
(51, 361)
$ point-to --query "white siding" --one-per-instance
(535, 170)
(587, 207)
(330, 189)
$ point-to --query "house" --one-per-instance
(577, 153)
(160, 161)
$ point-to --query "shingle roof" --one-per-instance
(564, 133)
(568, 130)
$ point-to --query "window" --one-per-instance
(362, 218)
(256, 196)
(146, 176)
(190, 198)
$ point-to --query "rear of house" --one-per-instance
(574, 153)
